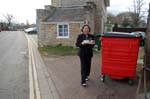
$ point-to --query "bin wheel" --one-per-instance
(130, 82)
(102, 78)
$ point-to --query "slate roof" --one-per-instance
(65, 14)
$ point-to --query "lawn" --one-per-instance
(58, 50)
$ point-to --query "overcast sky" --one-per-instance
(117, 6)
(24, 10)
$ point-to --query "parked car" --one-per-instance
(142, 35)
(31, 30)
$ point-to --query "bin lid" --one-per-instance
(120, 35)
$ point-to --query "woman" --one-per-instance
(85, 42)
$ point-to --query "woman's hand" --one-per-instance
(92, 42)
(82, 43)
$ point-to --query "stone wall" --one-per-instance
(55, 3)
(47, 33)
(90, 10)
(100, 16)
(95, 16)
(49, 36)
(73, 2)
(41, 15)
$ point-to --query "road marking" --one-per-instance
(35, 43)
(23, 52)
(31, 86)
(33, 79)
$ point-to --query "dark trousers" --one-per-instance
(85, 67)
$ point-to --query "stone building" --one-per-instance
(61, 22)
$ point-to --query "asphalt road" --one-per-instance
(14, 76)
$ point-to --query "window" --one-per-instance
(63, 31)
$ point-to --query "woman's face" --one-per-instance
(86, 30)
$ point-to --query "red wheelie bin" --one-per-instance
(119, 55)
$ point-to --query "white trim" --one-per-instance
(62, 37)
(59, 4)
(58, 30)
(61, 22)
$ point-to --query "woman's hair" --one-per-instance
(84, 26)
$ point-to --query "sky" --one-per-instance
(22, 10)
(117, 6)
(25, 10)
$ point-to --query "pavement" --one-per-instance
(65, 73)
(40, 83)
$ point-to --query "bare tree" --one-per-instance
(111, 18)
(138, 11)
(9, 18)
(125, 19)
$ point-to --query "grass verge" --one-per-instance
(58, 50)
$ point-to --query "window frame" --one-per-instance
(62, 24)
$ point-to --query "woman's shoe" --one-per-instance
(84, 84)
(87, 79)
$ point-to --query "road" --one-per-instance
(14, 76)
(23, 74)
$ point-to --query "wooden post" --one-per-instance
(147, 51)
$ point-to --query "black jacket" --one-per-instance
(84, 50)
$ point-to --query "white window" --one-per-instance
(63, 31)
